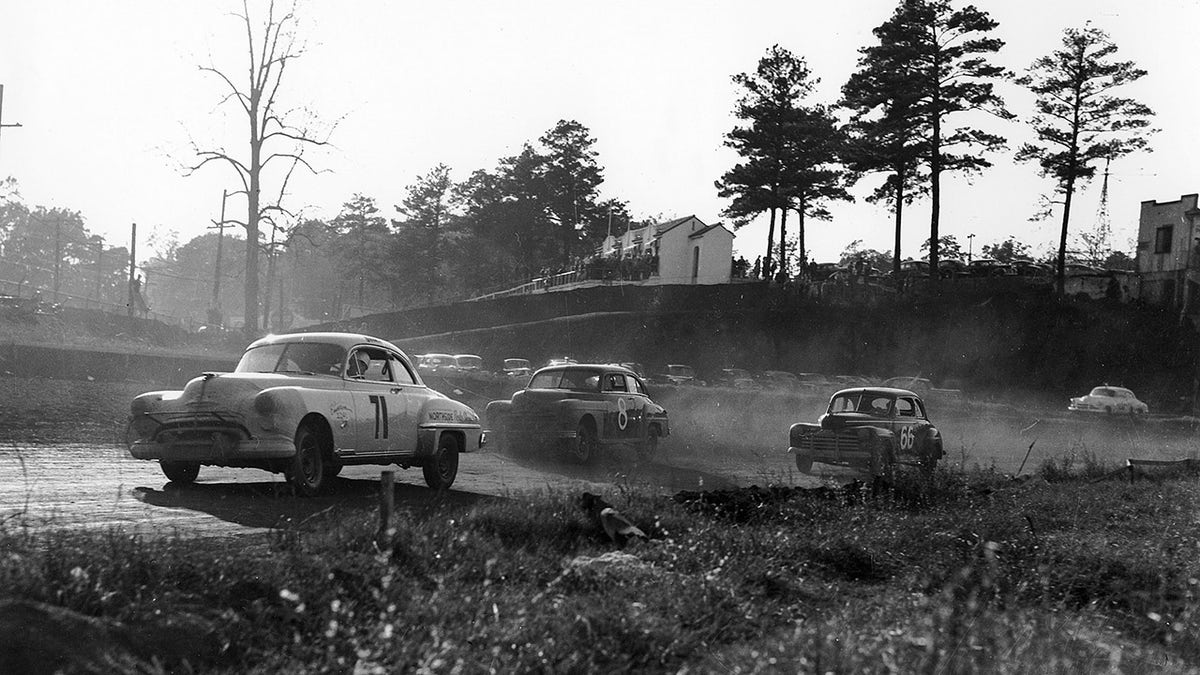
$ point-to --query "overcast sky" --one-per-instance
(109, 95)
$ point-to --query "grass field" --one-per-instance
(959, 574)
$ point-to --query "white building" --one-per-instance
(688, 251)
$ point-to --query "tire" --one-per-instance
(803, 464)
(583, 446)
(307, 472)
(442, 468)
(180, 472)
(650, 445)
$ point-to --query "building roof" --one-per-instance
(705, 230)
(663, 228)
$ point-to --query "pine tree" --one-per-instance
(1078, 121)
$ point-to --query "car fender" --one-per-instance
(439, 415)
(497, 408)
(573, 411)
(283, 409)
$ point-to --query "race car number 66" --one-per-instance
(622, 414)
(906, 438)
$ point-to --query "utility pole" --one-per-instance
(2, 124)
(132, 258)
(57, 254)
(99, 268)
(216, 301)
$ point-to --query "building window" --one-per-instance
(1162, 239)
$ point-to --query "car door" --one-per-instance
(410, 397)
(380, 403)
(636, 408)
(617, 401)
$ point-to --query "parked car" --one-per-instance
(1072, 269)
(925, 388)
(306, 405)
(579, 409)
(914, 269)
(989, 267)
(779, 380)
(677, 374)
(635, 367)
(870, 429)
(1109, 400)
(1029, 268)
(517, 368)
(822, 271)
(468, 363)
(434, 362)
(736, 378)
(949, 268)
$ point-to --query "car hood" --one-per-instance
(228, 388)
(836, 421)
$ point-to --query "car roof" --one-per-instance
(606, 367)
(346, 340)
(887, 391)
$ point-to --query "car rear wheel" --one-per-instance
(180, 472)
(650, 446)
(583, 446)
(441, 469)
(307, 472)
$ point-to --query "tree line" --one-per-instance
(911, 109)
(904, 118)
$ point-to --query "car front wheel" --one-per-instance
(307, 471)
(180, 472)
(441, 469)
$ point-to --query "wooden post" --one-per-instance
(387, 504)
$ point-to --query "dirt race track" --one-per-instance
(62, 463)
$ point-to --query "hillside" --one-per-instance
(1017, 340)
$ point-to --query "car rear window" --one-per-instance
(573, 379)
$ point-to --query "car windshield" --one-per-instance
(469, 361)
(575, 379)
(313, 358)
(437, 360)
(861, 402)
(513, 364)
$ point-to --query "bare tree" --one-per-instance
(275, 136)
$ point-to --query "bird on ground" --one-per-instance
(618, 528)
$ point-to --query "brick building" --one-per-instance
(1167, 257)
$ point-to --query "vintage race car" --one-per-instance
(1109, 400)
(579, 409)
(306, 405)
(871, 429)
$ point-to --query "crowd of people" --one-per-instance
(612, 267)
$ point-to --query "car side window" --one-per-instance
(614, 382)
(905, 407)
(369, 365)
(634, 385)
(401, 373)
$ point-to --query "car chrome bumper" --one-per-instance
(219, 449)
(852, 458)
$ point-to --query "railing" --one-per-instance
(25, 290)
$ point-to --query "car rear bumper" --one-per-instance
(218, 448)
